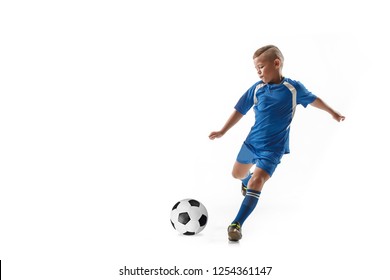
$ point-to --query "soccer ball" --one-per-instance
(189, 216)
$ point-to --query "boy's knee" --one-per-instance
(235, 175)
(238, 175)
(257, 182)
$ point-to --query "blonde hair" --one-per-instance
(271, 52)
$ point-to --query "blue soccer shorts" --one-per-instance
(266, 160)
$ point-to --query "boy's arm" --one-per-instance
(233, 119)
(320, 104)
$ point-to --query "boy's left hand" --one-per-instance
(338, 117)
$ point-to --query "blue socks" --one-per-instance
(248, 205)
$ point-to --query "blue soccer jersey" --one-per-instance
(274, 107)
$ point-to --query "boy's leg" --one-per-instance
(242, 172)
(249, 203)
(242, 166)
(259, 177)
(252, 196)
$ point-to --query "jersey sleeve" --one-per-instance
(304, 96)
(246, 101)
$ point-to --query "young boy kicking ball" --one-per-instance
(273, 99)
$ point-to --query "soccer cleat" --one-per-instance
(243, 189)
(234, 232)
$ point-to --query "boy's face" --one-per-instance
(268, 69)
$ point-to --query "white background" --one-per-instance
(105, 109)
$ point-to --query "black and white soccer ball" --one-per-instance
(189, 216)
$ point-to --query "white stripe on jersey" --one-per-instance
(289, 86)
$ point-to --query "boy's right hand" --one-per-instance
(215, 134)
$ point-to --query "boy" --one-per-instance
(274, 99)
